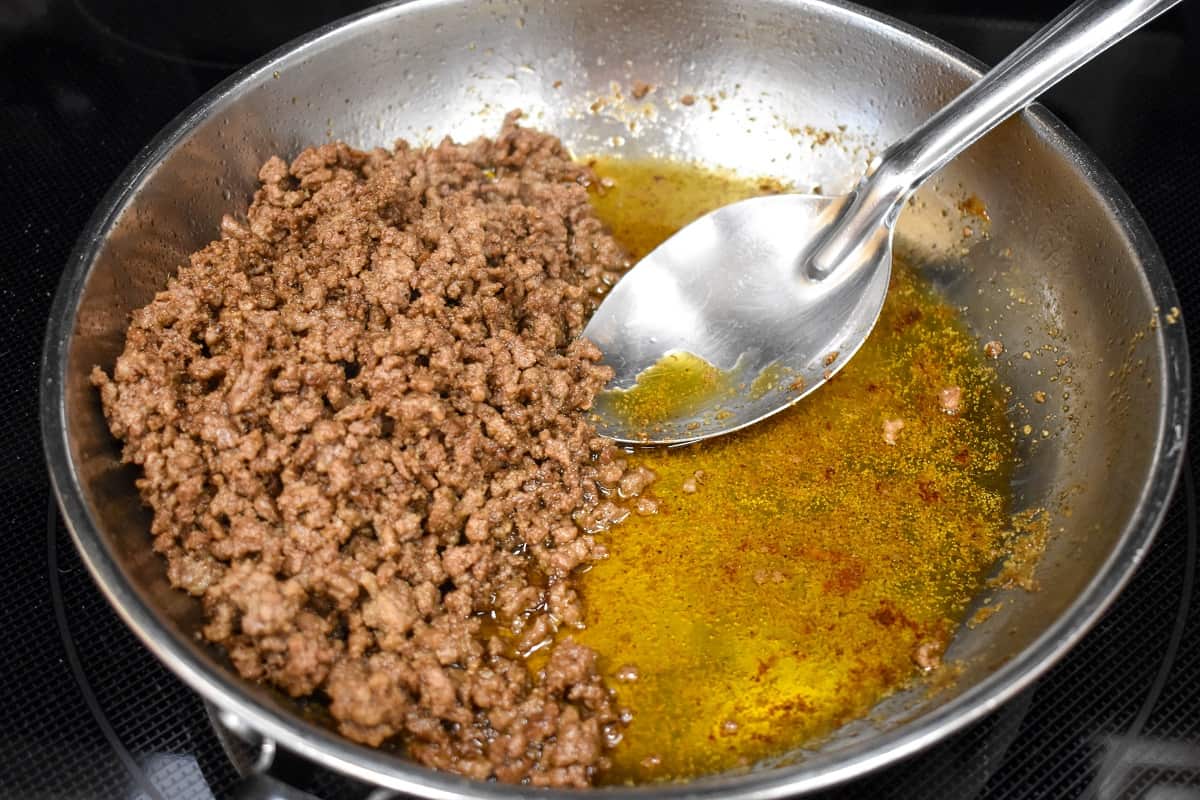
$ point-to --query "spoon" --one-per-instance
(780, 291)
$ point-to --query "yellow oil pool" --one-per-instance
(796, 572)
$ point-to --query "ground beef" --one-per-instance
(361, 421)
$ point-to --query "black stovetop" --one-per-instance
(85, 711)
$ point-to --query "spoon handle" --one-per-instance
(1076, 36)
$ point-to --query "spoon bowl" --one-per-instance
(729, 289)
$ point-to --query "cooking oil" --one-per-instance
(801, 570)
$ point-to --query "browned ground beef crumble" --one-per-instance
(361, 421)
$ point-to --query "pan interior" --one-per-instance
(799, 91)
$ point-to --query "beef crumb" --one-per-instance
(950, 399)
(360, 421)
(891, 430)
(928, 654)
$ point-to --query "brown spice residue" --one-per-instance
(1026, 544)
(945, 677)
(983, 614)
(688, 100)
(640, 89)
(974, 206)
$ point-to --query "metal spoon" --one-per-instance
(794, 283)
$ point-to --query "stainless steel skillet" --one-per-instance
(798, 89)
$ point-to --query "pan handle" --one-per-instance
(263, 786)
(262, 781)
(259, 783)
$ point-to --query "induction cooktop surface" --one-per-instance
(88, 712)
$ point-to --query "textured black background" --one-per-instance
(86, 712)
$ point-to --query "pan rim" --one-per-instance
(377, 767)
